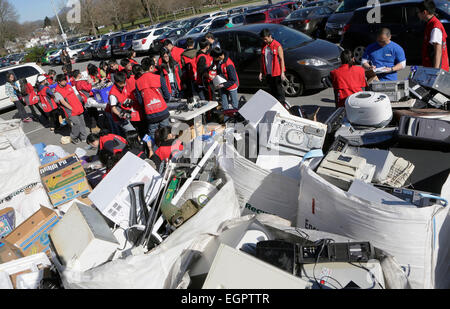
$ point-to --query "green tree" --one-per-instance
(47, 22)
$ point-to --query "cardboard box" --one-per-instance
(9, 252)
(7, 221)
(31, 236)
(65, 180)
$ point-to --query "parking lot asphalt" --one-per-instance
(37, 133)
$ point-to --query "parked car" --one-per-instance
(171, 35)
(308, 61)
(235, 20)
(272, 15)
(309, 20)
(401, 18)
(143, 40)
(73, 50)
(30, 71)
(332, 4)
(238, 10)
(45, 57)
(122, 44)
(86, 53)
(334, 27)
(292, 5)
(16, 58)
(103, 49)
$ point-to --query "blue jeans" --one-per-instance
(228, 96)
(152, 127)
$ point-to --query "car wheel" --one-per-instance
(358, 53)
(293, 87)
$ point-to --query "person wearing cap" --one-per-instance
(226, 69)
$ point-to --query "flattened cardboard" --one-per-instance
(31, 236)
(7, 221)
(9, 252)
(65, 180)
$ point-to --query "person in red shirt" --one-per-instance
(66, 97)
(131, 56)
(347, 79)
(272, 65)
(434, 48)
(168, 146)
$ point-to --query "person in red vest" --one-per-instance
(203, 63)
(175, 52)
(67, 73)
(125, 112)
(94, 73)
(84, 89)
(131, 56)
(149, 87)
(226, 69)
(114, 68)
(272, 65)
(189, 68)
(31, 98)
(347, 79)
(65, 95)
(171, 71)
(50, 77)
(111, 143)
(168, 146)
(47, 99)
(434, 48)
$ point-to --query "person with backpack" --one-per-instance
(30, 97)
(225, 68)
(65, 95)
(49, 106)
(149, 85)
(189, 68)
(171, 71)
(13, 92)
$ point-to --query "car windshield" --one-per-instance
(299, 14)
(206, 21)
(290, 38)
(196, 30)
(255, 18)
(350, 5)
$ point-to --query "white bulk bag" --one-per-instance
(150, 271)
(411, 234)
(259, 190)
(12, 136)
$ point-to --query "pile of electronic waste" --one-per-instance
(230, 209)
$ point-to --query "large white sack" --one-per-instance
(150, 271)
(198, 258)
(12, 136)
(20, 183)
(259, 190)
(410, 234)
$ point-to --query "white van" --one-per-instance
(30, 71)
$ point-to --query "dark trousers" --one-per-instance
(33, 109)
(91, 117)
(20, 109)
(53, 118)
(276, 88)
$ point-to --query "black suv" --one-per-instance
(401, 18)
(122, 44)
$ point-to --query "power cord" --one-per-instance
(374, 278)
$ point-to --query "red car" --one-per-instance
(271, 15)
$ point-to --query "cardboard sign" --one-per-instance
(65, 180)
(7, 221)
(31, 236)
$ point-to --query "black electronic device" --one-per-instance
(424, 130)
(418, 91)
(415, 197)
(340, 144)
(336, 120)
(290, 256)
